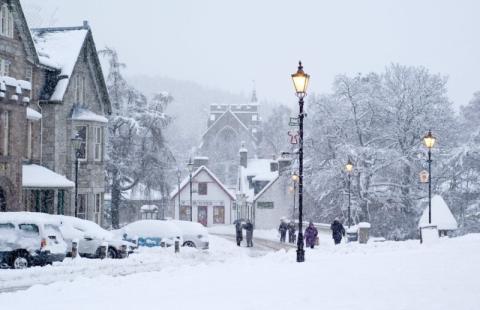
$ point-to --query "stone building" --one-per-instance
(51, 87)
(230, 125)
(74, 102)
(20, 125)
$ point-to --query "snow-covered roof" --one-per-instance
(259, 170)
(186, 181)
(149, 208)
(82, 114)
(33, 115)
(59, 49)
(441, 215)
(35, 176)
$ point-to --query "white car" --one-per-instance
(29, 239)
(194, 234)
(151, 233)
(91, 237)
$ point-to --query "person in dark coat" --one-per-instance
(249, 233)
(291, 232)
(337, 231)
(239, 231)
(311, 234)
(283, 230)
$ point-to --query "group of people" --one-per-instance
(289, 227)
(240, 225)
(311, 232)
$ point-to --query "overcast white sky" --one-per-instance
(227, 44)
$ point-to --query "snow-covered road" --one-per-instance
(388, 275)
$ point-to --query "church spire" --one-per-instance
(254, 93)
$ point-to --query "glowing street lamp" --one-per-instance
(300, 82)
(429, 141)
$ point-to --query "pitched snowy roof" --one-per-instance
(259, 170)
(441, 215)
(226, 113)
(59, 48)
(35, 176)
(186, 181)
(82, 114)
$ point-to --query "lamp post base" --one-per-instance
(300, 250)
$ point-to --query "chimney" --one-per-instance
(85, 25)
(199, 161)
(283, 164)
(243, 155)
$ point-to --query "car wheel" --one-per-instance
(111, 253)
(190, 244)
(20, 260)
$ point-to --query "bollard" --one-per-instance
(177, 246)
(74, 248)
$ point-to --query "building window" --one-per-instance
(4, 67)
(218, 215)
(81, 132)
(202, 188)
(254, 117)
(98, 143)
(82, 206)
(265, 205)
(29, 139)
(185, 213)
(6, 21)
(98, 208)
(212, 117)
(5, 133)
(61, 202)
(79, 83)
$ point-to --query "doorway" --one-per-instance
(203, 215)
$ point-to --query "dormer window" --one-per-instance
(212, 117)
(6, 21)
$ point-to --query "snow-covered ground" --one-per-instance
(378, 275)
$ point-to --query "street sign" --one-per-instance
(294, 122)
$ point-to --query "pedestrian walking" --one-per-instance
(249, 233)
(337, 231)
(283, 230)
(239, 231)
(311, 234)
(292, 229)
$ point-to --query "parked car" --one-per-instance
(91, 237)
(29, 239)
(151, 233)
(193, 234)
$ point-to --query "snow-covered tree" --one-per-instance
(136, 148)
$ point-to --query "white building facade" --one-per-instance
(212, 202)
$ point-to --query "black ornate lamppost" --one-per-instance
(349, 169)
(76, 143)
(429, 141)
(300, 82)
(190, 171)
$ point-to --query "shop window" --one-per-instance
(218, 215)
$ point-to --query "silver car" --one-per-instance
(194, 234)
